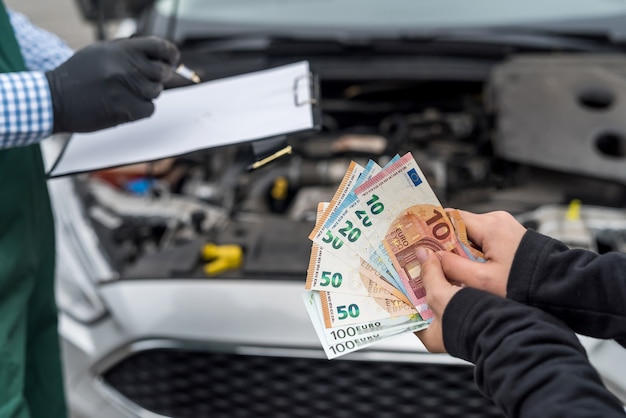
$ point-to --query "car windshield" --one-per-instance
(390, 15)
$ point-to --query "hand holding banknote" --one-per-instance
(498, 234)
(363, 282)
(439, 291)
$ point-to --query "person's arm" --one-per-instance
(26, 114)
(41, 50)
(100, 86)
(526, 360)
(585, 290)
(25, 109)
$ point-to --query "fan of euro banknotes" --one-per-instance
(363, 281)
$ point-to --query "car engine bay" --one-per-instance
(542, 137)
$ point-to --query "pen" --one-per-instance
(285, 151)
(187, 73)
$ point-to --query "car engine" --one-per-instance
(518, 140)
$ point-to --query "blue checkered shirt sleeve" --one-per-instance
(25, 102)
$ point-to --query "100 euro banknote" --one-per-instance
(343, 339)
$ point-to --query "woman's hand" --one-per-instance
(498, 234)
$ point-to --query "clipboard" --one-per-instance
(243, 108)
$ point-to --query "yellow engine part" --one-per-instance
(221, 258)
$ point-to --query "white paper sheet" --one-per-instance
(220, 112)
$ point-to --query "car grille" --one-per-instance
(179, 383)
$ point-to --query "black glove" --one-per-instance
(109, 83)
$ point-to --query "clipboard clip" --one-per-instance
(312, 86)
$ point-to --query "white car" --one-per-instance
(147, 333)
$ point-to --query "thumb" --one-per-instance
(460, 269)
(471, 273)
(439, 290)
(431, 272)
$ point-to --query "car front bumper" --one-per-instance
(244, 348)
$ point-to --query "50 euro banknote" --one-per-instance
(346, 309)
(329, 273)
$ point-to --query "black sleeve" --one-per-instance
(585, 290)
(526, 360)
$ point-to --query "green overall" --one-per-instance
(31, 383)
